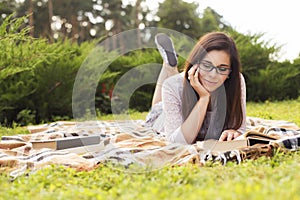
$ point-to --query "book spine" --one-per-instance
(77, 142)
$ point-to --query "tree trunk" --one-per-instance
(114, 31)
(137, 22)
(31, 19)
(50, 10)
(74, 32)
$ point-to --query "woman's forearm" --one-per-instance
(192, 125)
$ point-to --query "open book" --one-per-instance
(249, 139)
(254, 137)
(221, 146)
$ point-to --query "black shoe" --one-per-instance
(166, 49)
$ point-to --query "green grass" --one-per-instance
(282, 110)
(132, 115)
(265, 178)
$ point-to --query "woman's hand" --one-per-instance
(193, 76)
(229, 135)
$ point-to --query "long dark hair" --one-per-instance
(207, 43)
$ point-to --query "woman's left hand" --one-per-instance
(229, 135)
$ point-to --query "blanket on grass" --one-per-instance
(129, 143)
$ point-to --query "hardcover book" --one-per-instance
(65, 143)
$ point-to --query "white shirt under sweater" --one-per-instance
(170, 121)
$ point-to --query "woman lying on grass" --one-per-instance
(205, 101)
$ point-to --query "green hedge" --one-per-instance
(37, 77)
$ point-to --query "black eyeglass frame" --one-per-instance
(201, 63)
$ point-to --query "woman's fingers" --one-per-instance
(193, 76)
(196, 73)
(237, 134)
(229, 135)
(223, 136)
(196, 80)
(191, 72)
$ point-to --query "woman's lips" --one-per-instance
(210, 82)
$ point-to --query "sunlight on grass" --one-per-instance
(282, 110)
(132, 115)
(264, 178)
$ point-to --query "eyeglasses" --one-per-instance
(208, 67)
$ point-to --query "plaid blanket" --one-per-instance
(129, 143)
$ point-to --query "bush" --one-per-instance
(279, 81)
(36, 76)
(266, 79)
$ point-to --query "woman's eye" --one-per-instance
(207, 66)
(222, 69)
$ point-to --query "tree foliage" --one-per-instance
(6, 9)
(82, 20)
(66, 19)
(212, 21)
(180, 16)
(37, 73)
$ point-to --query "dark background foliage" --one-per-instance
(41, 53)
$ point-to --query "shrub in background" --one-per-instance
(36, 76)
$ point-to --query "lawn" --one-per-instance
(266, 178)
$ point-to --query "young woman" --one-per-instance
(207, 100)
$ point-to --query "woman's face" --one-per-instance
(210, 78)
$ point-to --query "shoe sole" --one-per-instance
(166, 43)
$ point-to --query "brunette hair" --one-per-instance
(217, 41)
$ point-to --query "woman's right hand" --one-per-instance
(193, 76)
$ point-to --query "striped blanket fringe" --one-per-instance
(129, 143)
